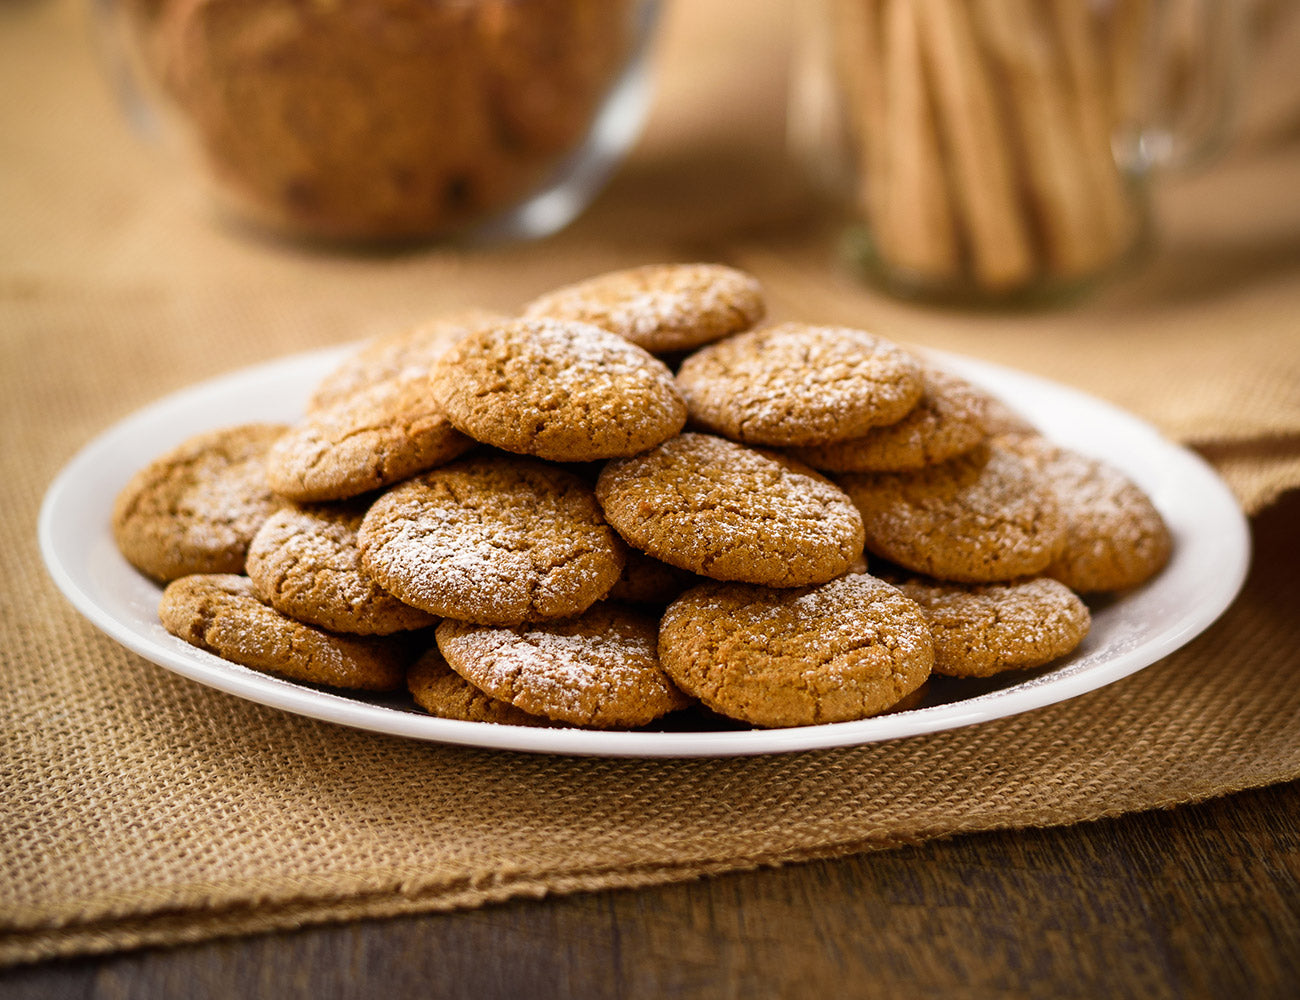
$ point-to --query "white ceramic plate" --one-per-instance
(1130, 632)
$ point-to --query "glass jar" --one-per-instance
(1000, 150)
(389, 120)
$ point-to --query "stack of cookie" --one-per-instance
(535, 520)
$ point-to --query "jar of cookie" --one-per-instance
(1001, 151)
(389, 120)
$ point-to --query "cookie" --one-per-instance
(796, 384)
(196, 508)
(647, 580)
(984, 629)
(408, 353)
(560, 390)
(844, 650)
(983, 517)
(370, 439)
(1115, 537)
(949, 420)
(441, 691)
(220, 614)
(729, 512)
(305, 563)
(494, 540)
(600, 669)
(664, 308)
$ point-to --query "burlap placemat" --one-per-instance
(140, 808)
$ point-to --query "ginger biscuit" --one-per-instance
(406, 354)
(220, 614)
(796, 384)
(305, 563)
(844, 650)
(372, 438)
(1115, 537)
(664, 308)
(983, 517)
(559, 390)
(600, 669)
(441, 691)
(947, 421)
(495, 540)
(647, 580)
(983, 629)
(196, 508)
(729, 512)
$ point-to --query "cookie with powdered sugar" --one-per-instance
(665, 308)
(600, 669)
(798, 384)
(496, 540)
(441, 691)
(559, 390)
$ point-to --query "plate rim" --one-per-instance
(173, 654)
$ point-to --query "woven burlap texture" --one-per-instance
(140, 808)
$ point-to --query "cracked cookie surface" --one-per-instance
(844, 650)
(559, 390)
(662, 307)
(796, 384)
(373, 438)
(983, 517)
(220, 613)
(600, 669)
(983, 629)
(1115, 537)
(305, 563)
(196, 508)
(496, 540)
(729, 512)
(441, 691)
(949, 420)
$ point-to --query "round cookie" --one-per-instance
(796, 384)
(662, 307)
(407, 353)
(844, 650)
(982, 517)
(305, 563)
(600, 669)
(441, 691)
(983, 629)
(729, 512)
(1115, 537)
(565, 391)
(373, 438)
(219, 613)
(196, 508)
(494, 540)
(947, 422)
(647, 580)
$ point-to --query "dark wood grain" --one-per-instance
(1201, 901)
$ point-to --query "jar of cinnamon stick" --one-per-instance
(389, 120)
(1000, 150)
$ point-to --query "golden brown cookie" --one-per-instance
(983, 629)
(948, 421)
(844, 650)
(560, 390)
(305, 563)
(196, 508)
(983, 517)
(796, 384)
(647, 580)
(219, 613)
(662, 307)
(370, 439)
(729, 512)
(405, 354)
(441, 691)
(600, 669)
(495, 540)
(1115, 537)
